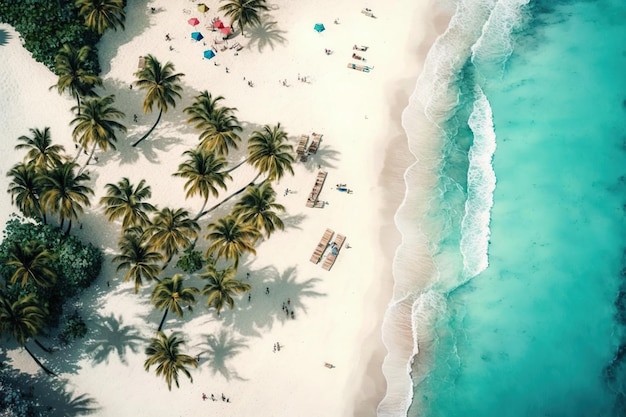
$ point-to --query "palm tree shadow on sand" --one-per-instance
(220, 349)
(264, 310)
(265, 35)
(4, 37)
(109, 337)
(325, 157)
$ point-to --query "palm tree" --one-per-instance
(230, 236)
(96, 125)
(22, 320)
(70, 65)
(102, 14)
(32, 261)
(41, 152)
(220, 134)
(161, 85)
(221, 287)
(170, 294)
(63, 192)
(125, 201)
(201, 110)
(258, 207)
(244, 12)
(172, 230)
(165, 352)
(204, 172)
(25, 188)
(270, 153)
(139, 258)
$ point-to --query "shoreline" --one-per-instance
(376, 171)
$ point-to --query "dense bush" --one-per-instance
(13, 403)
(76, 265)
(45, 25)
(73, 328)
(191, 261)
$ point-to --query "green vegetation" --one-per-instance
(45, 26)
(68, 265)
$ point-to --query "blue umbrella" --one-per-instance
(208, 54)
(197, 36)
(319, 27)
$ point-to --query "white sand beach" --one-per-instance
(338, 313)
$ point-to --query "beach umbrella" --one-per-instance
(197, 36)
(226, 30)
(193, 21)
(208, 54)
(202, 8)
(319, 27)
(218, 24)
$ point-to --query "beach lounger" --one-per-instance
(237, 46)
(142, 63)
(367, 12)
(312, 200)
(363, 68)
(334, 251)
(321, 246)
(315, 143)
(358, 57)
(301, 148)
(360, 48)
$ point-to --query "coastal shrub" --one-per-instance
(191, 261)
(73, 328)
(45, 25)
(76, 264)
(13, 401)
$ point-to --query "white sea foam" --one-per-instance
(407, 327)
(481, 183)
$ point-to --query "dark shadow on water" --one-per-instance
(264, 310)
(4, 37)
(109, 336)
(221, 349)
(265, 35)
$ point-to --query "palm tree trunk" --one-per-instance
(163, 319)
(236, 166)
(80, 149)
(200, 212)
(41, 365)
(93, 150)
(38, 343)
(151, 129)
(241, 190)
(69, 227)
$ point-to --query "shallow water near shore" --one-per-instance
(527, 221)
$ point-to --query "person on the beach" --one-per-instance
(203, 396)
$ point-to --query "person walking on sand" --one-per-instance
(267, 290)
(203, 396)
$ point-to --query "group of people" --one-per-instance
(204, 397)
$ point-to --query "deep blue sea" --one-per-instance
(526, 223)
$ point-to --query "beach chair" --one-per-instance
(334, 251)
(358, 57)
(142, 63)
(360, 48)
(367, 12)
(301, 148)
(315, 143)
(363, 68)
(321, 246)
(237, 47)
(317, 189)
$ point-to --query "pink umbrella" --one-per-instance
(226, 30)
(218, 24)
(193, 21)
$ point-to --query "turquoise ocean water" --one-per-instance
(527, 222)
